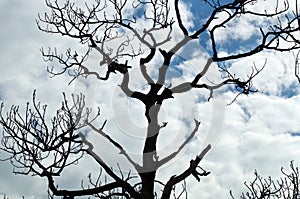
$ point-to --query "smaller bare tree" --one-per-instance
(287, 187)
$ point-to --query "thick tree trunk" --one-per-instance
(147, 190)
(149, 167)
(149, 154)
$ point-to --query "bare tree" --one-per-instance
(287, 187)
(112, 28)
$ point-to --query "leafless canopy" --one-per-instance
(32, 140)
(125, 35)
(287, 187)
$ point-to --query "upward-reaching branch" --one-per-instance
(190, 171)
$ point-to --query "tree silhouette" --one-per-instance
(286, 187)
(112, 29)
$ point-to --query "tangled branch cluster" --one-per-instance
(40, 146)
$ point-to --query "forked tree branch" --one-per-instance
(190, 171)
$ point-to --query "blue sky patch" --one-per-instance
(294, 134)
(291, 91)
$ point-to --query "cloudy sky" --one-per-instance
(259, 131)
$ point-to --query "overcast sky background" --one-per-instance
(259, 131)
